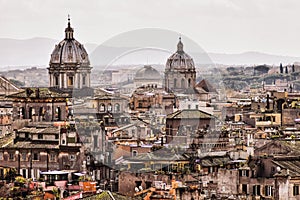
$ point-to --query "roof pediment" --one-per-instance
(206, 86)
(190, 114)
(276, 148)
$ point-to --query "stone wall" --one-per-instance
(289, 116)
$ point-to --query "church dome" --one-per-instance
(69, 52)
(180, 59)
(147, 72)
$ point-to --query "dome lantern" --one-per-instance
(69, 30)
(180, 46)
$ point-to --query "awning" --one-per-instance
(79, 174)
(53, 173)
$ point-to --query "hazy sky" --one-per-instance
(223, 26)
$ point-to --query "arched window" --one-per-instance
(189, 82)
(182, 83)
(41, 111)
(70, 81)
(22, 113)
(117, 107)
(31, 112)
(56, 83)
(109, 107)
(58, 113)
(102, 108)
(83, 80)
(134, 153)
(175, 82)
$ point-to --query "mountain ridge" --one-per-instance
(36, 52)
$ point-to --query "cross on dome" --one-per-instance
(179, 46)
(69, 30)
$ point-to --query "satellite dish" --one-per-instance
(136, 189)
(141, 188)
(278, 169)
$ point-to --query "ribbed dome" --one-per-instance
(180, 59)
(147, 72)
(69, 51)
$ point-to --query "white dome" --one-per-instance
(147, 72)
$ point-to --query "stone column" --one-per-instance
(61, 84)
(88, 81)
(65, 81)
(75, 81)
(79, 81)
(50, 79)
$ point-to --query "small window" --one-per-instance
(56, 81)
(24, 156)
(35, 156)
(40, 136)
(134, 153)
(256, 190)
(41, 111)
(109, 107)
(273, 169)
(102, 108)
(72, 157)
(244, 173)
(70, 81)
(56, 136)
(244, 189)
(296, 190)
(11, 156)
(52, 157)
(268, 190)
(117, 107)
(83, 80)
(197, 107)
(24, 173)
(182, 83)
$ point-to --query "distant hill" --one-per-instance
(20, 54)
(105, 54)
(252, 58)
